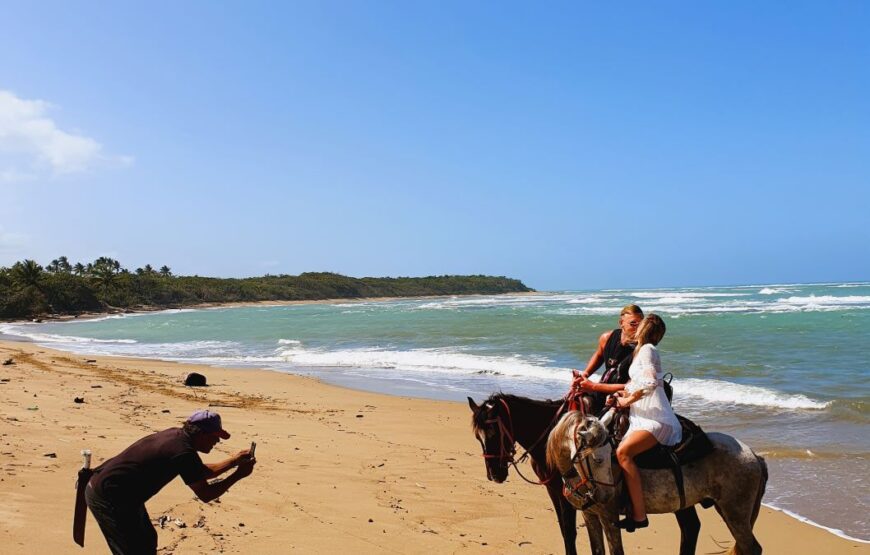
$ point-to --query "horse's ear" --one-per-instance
(473, 405)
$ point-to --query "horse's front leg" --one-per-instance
(614, 534)
(566, 514)
(690, 526)
(596, 533)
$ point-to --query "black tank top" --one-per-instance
(617, 359)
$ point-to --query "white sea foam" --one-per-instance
(826, 300)
(444, 361)
(586, 310)
(23, 330)
(289, 342)
(586, 300)
(454, 303)
(772, 290)
(724, 393)
(685, 295)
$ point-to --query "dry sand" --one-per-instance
(338, 470)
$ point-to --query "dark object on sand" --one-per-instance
(8, 361)
(79, 400)
(195, 380)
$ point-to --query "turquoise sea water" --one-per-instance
(782, 367)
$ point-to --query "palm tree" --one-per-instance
(78, 269)
(63, 264)
(165, 271)
(53, 266)
(149, 269)
(105, 276)
(27, 273)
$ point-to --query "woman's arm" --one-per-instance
(646, 383)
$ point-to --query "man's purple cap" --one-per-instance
(210, 422)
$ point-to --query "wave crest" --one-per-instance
(729, 393)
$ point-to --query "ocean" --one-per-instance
(781, 367)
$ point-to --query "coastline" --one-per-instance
(339, 468)
(242, 304)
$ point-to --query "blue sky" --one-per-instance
(570, 145)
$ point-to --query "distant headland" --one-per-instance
(29, 290)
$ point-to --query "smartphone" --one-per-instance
(253, 448)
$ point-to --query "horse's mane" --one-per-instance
(477, 420)
(557, 436)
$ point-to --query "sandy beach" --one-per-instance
(338, 470)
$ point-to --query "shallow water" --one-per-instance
(779, 366)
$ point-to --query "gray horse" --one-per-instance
(732, 478)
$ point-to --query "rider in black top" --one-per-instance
(614, 350)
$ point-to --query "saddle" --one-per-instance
(694, 445)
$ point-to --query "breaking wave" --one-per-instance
(728, 393)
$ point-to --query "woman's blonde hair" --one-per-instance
(651, 330)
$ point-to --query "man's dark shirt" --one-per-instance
(141, 470)
(617, 359)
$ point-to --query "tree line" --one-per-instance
(29, 290)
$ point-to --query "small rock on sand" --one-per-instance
(195, 379)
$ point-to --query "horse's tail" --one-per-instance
(557, 436)
(761, 487)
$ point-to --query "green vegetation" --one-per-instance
(28, 290)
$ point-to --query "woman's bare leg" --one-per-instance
(632, 445)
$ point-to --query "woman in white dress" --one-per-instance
(651, 418)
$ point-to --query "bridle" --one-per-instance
(581, 468)
(507, 442)
(507, 449)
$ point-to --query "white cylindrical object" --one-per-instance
(605, 420)
(86, 458)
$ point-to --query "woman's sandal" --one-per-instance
(630, 525)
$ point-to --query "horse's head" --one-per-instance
(575, 433)
(591, 433)
(493, 428)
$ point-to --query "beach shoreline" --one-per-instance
(332, 460)
(242, 304)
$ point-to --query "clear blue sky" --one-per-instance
(569, 145)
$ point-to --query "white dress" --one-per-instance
(652, 412)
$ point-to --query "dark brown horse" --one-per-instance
(502, 421)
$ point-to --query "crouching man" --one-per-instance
(119, 488)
